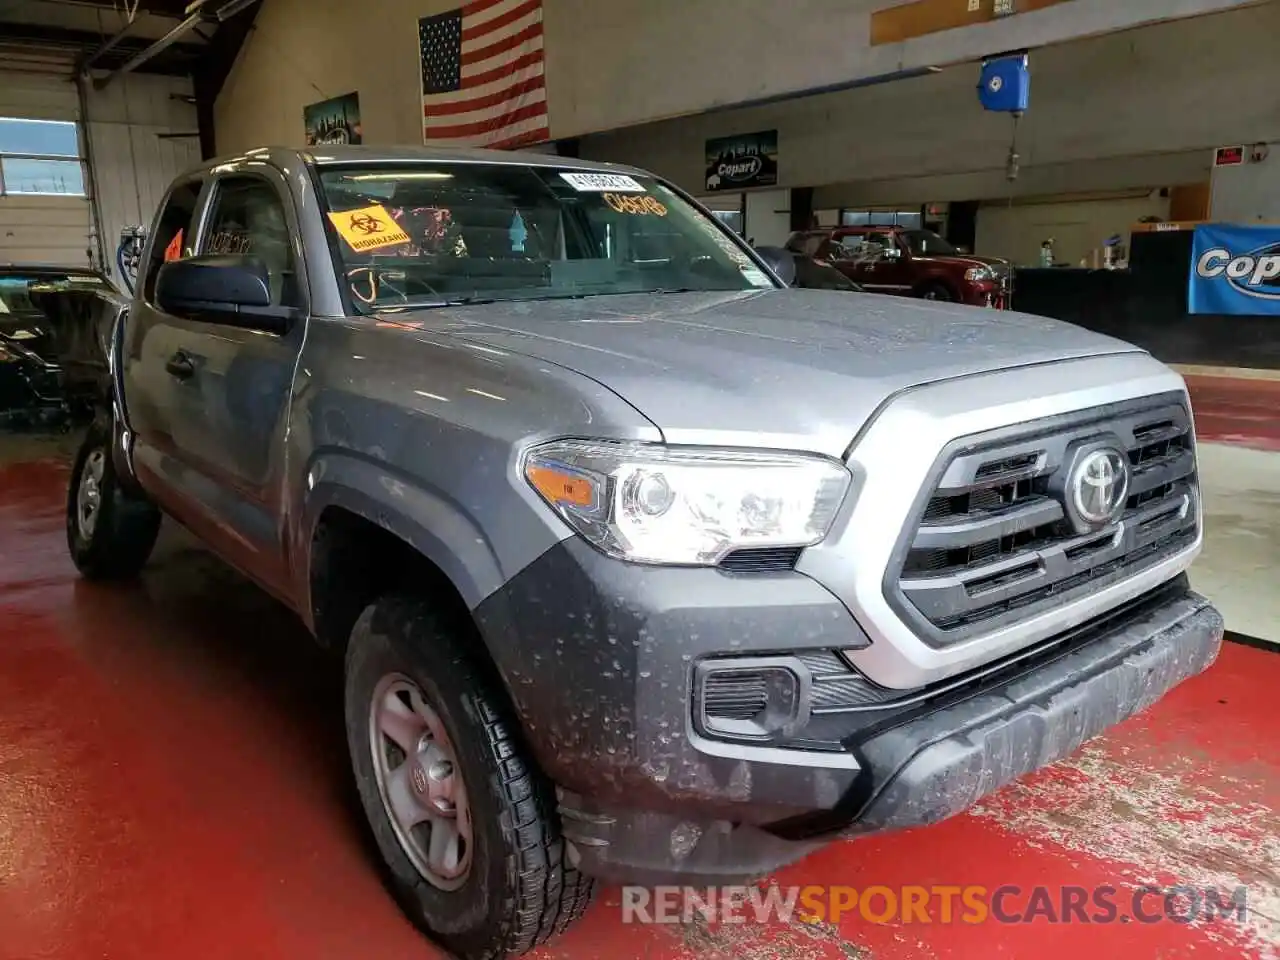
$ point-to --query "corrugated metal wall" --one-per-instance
(131, 125)
(49, 229)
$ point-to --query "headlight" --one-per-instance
(651, 503)
(978, 274)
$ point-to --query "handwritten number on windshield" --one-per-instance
(639, 206)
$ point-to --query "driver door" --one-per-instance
(231, 386)
(876, 261)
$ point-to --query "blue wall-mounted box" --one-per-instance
(1005, 84)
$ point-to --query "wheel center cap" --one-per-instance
(419, 778)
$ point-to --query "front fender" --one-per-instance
(427, 520)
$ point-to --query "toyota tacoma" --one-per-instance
(643, 566)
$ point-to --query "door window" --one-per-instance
(867, 246)
(172, 237)
(247, 219)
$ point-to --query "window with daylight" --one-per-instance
(40, 157)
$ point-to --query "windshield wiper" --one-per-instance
(439, 304)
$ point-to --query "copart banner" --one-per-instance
(1235, 270)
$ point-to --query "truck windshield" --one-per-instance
(926, 243)
(440, 233)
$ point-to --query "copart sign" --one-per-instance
(1235, 270)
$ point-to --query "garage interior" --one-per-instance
(174, 778)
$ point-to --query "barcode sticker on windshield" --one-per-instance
(600, 182)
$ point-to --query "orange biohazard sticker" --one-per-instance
(369, 228)
(174, 250)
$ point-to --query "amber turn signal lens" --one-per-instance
(559, 486)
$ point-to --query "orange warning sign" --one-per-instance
(368, 228)
(174, 250)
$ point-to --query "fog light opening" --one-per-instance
(751, 700)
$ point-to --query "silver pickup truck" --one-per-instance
(643, 566)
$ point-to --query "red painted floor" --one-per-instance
(1237, 410)
(173, 784)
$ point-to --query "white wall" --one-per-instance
(1143, 104)
(42, 229)
(613, 63)
(133, 163)
(768, 217)
(1248, 193)
(1077, 228)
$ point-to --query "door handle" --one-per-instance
(180, 365)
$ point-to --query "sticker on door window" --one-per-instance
(232, 241)
(369, 228)
(600, 182)
(174, 250)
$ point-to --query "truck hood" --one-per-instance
(964, 259)
(792, 368)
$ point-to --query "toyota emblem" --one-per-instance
(1099, 485)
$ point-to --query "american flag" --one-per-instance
(483, 79)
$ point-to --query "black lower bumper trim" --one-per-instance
(936, 765)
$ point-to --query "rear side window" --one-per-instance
(172, 238)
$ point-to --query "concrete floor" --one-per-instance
(1237, 568)
(1238, 424)
(173, 780)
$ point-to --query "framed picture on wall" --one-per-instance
(336, 120)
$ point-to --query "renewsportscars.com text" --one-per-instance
(933, 904)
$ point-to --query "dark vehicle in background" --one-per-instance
(52, 359)
(908, 262)
(797, 270)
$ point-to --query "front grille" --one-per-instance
(993, 542)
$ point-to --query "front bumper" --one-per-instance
(600, 658)
(987, 293)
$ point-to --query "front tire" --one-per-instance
(464, 821)
(110, 533)
(936, 291)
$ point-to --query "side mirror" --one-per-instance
(781, 261)
(235, 290)
(891, 253)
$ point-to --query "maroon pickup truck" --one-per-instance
(908, 262)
